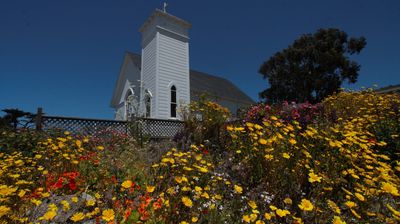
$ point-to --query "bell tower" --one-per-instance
(165, 65)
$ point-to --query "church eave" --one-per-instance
(119, 84)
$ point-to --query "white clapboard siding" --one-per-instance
(165, 61)
(149, 70)
(173, 69)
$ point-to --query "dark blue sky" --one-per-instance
(65, 55)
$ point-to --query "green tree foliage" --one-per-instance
(313, 67)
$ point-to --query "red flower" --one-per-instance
(59, 183)
(114, 179)
(98, 219)
(132, 189)
(117, 204)
(83, 158)
(372, 140)
(71, 175)
(72, 184)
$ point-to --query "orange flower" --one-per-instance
(146, 200)
(157, 205)
(127, 213)
(144, 216)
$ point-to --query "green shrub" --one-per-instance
(203, 120)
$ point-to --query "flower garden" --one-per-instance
(333, 162)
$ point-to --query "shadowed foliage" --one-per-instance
(15, 117)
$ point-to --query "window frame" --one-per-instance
(173, 105)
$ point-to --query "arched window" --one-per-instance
(147, 103)
(173, 101)
(128, 105)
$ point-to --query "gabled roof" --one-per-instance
(389, 89)
(118, 88)
(200, 82)
(217, 87)
(136, 59)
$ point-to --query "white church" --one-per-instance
(157, 82)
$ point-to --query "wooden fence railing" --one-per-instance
(154, 128)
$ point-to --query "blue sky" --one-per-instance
(65, 55)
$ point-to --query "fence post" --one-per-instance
(140, 129)
(39, 115)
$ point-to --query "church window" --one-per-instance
(128, 105)
(147, 102)
(173, 101)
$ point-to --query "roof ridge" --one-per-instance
(136, 54)
(212, 75)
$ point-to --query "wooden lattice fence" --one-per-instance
(153, 128)
(83, 125)
(158, 128)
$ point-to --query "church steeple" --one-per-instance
(165, 63)
(161, 20)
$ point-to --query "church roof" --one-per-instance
(136, 59)
(214, 86)
(218, 87)
(160, 13)
(389, 89)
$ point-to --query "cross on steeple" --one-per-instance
(165, 7)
